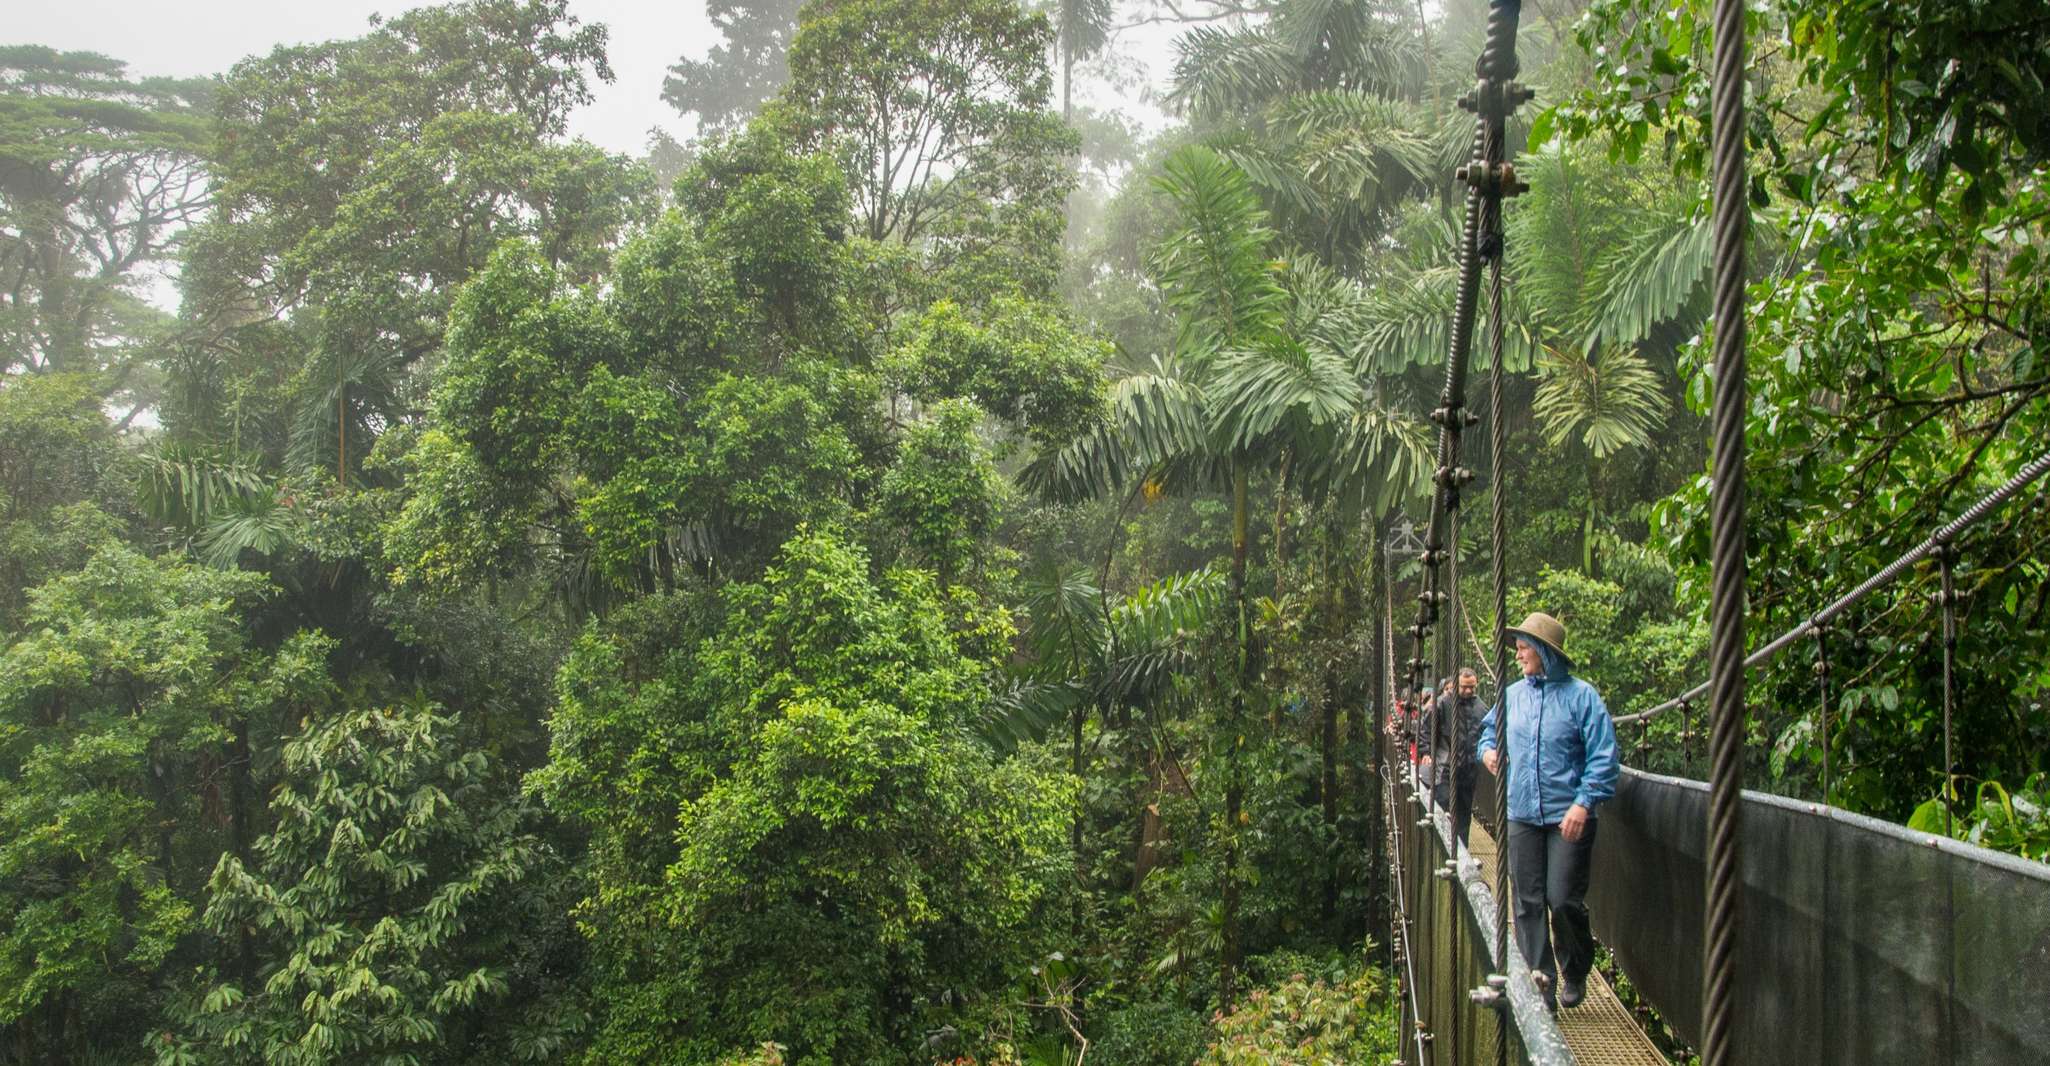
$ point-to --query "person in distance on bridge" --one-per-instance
(1455, 731)
(1561, 750)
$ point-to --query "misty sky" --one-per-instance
(208, 36)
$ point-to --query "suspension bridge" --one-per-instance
(1756, 928)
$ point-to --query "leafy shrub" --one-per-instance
(1149, 1034)
(1304, 1022)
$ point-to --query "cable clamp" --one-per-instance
(1496, 98)
(1498, 179)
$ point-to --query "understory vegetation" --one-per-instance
(906, 576)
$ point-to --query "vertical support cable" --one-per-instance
(1446, 769)
(1498, 567)
(1822, 698)
(1946, 559)
(1686, 738)
(1726, 536)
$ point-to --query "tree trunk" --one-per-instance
(1075, 832)
(1281, 527)
(1234, 783)
(1329, 690)
(1067, 86)
(239, 795)
(1378, 701)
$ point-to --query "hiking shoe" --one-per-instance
(1544, 986)
(1572, 991)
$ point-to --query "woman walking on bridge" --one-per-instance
(1562, 766)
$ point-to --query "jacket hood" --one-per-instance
(1557, 666)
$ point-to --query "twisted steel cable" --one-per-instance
(1498, 525)
(1971, 516)
(1947, 561)
(1726, 536)
(1485, 180)
(1822, 698)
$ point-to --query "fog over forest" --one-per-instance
(897, 531)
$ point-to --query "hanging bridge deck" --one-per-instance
(1600, 1031)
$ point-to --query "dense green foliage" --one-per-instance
(910, 584)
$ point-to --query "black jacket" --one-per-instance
(1456, 719)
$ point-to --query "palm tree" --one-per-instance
(1609, 401)
(1081, 29)
(1616, 277)
(214, 506)
(1254, 378)
(348, 391)
(1091, 653)
(1317, 106)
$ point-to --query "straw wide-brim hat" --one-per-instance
(1544, 629)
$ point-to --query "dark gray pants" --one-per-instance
(1549, 874)
(1456, 796)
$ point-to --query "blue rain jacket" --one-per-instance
(1562, 744)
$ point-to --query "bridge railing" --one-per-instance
(1862, 941)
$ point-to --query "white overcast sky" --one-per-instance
(209, 36)
(647, 36)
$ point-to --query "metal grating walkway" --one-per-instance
(1599, 1031)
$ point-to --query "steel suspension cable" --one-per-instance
(1822, 697)
(1498, 568)
(1488, 179)
(1951, 530)
(1726, 536)
(1946, 560)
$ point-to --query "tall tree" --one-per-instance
(797, 835)
(100, 175)
(1323, 106)
(125, 768)
(360, 182)
(737, 76)
(383, 906)
(940, 115)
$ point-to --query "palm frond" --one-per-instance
(1654, 276)
(1156, 629)
(1219, 72)
(1611, 400)
(1214, 269)
(186, 488)
(1406, 321)
(1168, 609)
(1155, 419)
(1275, 170)
(1066, 625)
(1082, 27)
(1353, 141)
(1377, 460)
(261, 524)
(1256, 391)
(1025, 710)
(348, 392)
